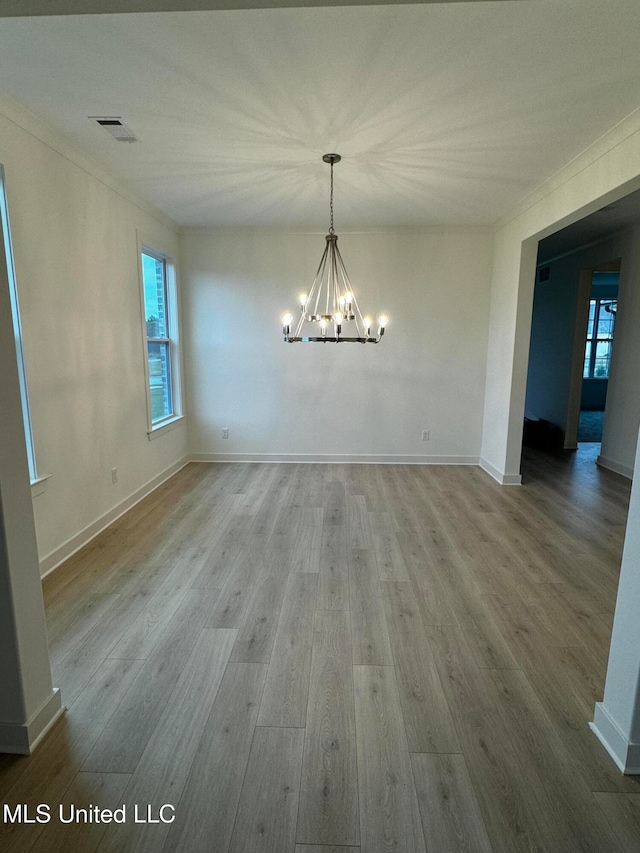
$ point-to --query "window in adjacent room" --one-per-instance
(597, 356)
(17, 328)
(161, 330)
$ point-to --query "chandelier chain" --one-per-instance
(331, 228)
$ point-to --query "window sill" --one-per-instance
(39, 486)
(167, 426)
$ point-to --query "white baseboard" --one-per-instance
(625, 753)
(22, 739)
(335, 458)
(503, 479)
(64, 551)
(616, 467)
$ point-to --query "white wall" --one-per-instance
(28, 703)
(622, 419)
(617, 717)
(551, 348)
(603, 173)
(74, 239)
(337, 400)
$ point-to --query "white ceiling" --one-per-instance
(443, 113)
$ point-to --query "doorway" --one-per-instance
(595, 319)
(603, 308)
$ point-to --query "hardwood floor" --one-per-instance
(308, 658)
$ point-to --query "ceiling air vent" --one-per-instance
(115, 126)
(544, 274)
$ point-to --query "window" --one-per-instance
(17, 328)
(160, 316)
(597, 356)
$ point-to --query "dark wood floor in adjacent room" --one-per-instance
(332, 658)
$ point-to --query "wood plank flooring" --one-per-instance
(309, 658)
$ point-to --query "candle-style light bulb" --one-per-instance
(303, 300)
(382, 322)
(348, 298)
(341, 302)
(367, 326)
(323, 327)
(337, 319)
(286, 324)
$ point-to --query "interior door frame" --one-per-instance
(579, 339)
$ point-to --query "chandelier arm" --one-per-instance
(326, 278)
(348, 288)
(344, 286)
(336, 280)
(359, 325)
(329, 278)
(343, 270)
(318, 278)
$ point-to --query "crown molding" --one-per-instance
(229, 230)
(21, 8)
(22, 117)
(617, 135)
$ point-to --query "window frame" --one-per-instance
(17, 332)
(595, 338)
(172, 321)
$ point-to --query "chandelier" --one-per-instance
(331, 302)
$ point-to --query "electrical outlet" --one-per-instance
(114, 475)
(225, 432)
(425, 435)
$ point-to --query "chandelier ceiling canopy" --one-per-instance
(331, 304)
